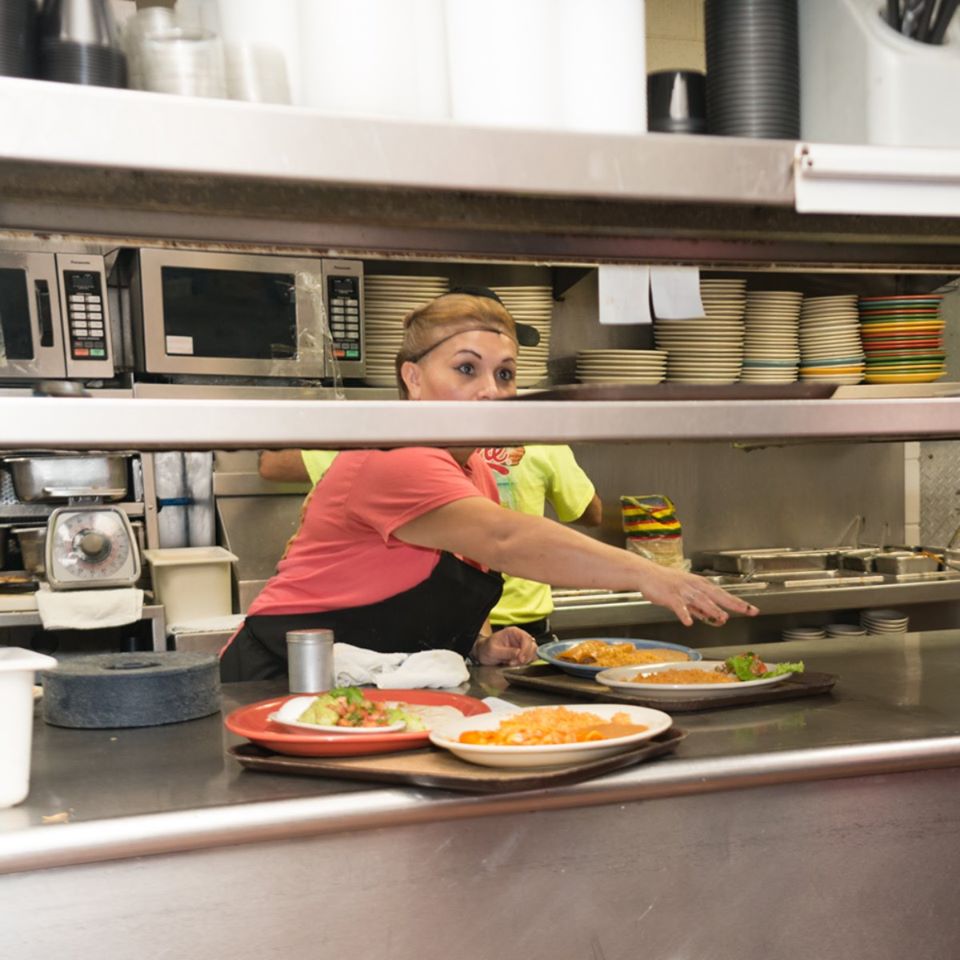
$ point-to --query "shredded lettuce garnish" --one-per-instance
(748, 666)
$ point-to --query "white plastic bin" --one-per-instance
(192, 583)
(17, 667)
(862, 82)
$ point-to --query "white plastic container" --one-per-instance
(192, 583)
(17, 667)
(862, 82)
(549, 64)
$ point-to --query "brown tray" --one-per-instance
(432, 767)
(542, 676)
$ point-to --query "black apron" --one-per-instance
(445, 611)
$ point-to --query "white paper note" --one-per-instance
(624, 293)
(676, 293)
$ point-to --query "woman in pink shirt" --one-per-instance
(398, 549)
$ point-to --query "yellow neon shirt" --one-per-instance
(528, 478)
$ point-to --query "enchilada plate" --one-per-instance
(447, 734)
(254, 723)
(633, 679)
(551, 653)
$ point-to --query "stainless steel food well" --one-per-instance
(901, 562)
(50, 479)
(760, 561)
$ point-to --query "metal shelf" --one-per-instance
(773, 601)
(132, 167)
(44, 423)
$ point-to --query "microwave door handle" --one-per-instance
(41, 289)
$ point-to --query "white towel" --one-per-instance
(89, 609)
(355, 666)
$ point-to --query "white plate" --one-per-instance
(287, 715)
(618, 678)
(554, 755)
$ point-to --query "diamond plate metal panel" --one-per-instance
(939, 491)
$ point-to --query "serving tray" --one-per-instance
(432, 767)
(541, 676)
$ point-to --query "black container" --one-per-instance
(753, 72)
(65, 62)
(78, 44)
(18, 38)
(676, 101)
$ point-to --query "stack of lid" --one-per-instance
(621, 366)
(387, 300)
(532, 305)
(753, 68)
(772, 347)
(708, 349)
(884, 621)
(830, 347)
(902, 338)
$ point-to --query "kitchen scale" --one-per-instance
(90, 546)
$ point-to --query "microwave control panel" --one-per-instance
(343, 283)
(83, 288)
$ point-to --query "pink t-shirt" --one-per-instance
(344, 554)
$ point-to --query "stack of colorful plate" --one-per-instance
(830, 347)
(387, 300)
(884, 621)
(903, 338)
(708, 350)
(532, 305)
(621, 366)
(772, 347)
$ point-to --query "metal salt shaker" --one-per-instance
(310, 660)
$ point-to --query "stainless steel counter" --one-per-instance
(132, 792)
(625, 610)
(673, 854)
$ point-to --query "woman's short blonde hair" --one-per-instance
(428, 326)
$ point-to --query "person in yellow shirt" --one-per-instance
(527, 479)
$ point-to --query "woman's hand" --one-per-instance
(510, 647)
(691, 597)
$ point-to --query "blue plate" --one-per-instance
(550, 652)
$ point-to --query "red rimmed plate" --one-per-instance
(252, 722)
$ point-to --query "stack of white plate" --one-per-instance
(772, 347)
(707, 350)
(884, 621)
(830, 345)
(621, 366)
(387, 300)
(532, 305)
(845, 630)
(803, 633)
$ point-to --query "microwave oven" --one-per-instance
(255, 316)
(54, 317)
